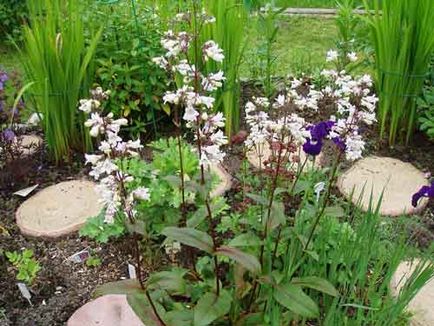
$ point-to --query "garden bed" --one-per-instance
(64, 286)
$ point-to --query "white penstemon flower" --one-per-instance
(196, 98)
(332, 55)
(104, 168)
(212, 51)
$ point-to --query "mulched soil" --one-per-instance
(62, 286)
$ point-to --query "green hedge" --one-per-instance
(12, 15)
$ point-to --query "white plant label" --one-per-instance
(79, 257)
(132, 271)
(26, 191)
(25, 292)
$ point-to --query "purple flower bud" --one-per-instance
(8, 135)
(425, 191)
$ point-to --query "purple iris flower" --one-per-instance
(312, 148)
(321, 130)
(318, 132)
(3, 78)
(8, 135)
(425, 191)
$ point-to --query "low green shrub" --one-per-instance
(13, 14)
(123, 64)
(26, 265)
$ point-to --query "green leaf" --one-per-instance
(211, 307)
(245, 240)
(118, 287)
(253, 319)
(142, 308)
(248, 261)
(258, 199)
(334, 211)
(293, 298)
(277, 216)
(180, 317)
(190, 237)
(198, 217)
(171, 281)
(316, 283)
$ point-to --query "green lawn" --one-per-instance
(9, 58)
(301, 45)
(311, 3)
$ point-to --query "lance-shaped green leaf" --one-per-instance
(277, 216)
(190, 237)
(118, 287)
(211, 307)
(258, 199)
(171, 281)
(248, 261)
(316, 283)
(294, 299)
(245, 240)
(142, 308)
(180, 317)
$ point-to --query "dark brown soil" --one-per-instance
(61, 286)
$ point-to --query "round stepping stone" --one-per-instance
(59, 209)
(108, 310)
(29, 144)
(265, 153)
(423, 303)
(225, 183)
(398, 179)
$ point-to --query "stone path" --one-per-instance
(399, 181)
(422, 306)
(108, 310)
(29, 144)
(323, 12)
(59, 209)
(225, 183)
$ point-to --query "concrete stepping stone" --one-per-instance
(108, 310)
(29, 144)
(225, 178)
(398, 179)
(422, 305)
(257, 161)
(59, 209)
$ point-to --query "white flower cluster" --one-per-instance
(113, 148)
(333, 55)
(288, 129)
(195, 93)
(355, 105)
(352, 99)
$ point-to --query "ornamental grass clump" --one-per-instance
(229, 32)
(403, 39)
(57, 59)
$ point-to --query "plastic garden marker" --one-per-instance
(26, 191)
(132, 271)
(25, 292)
